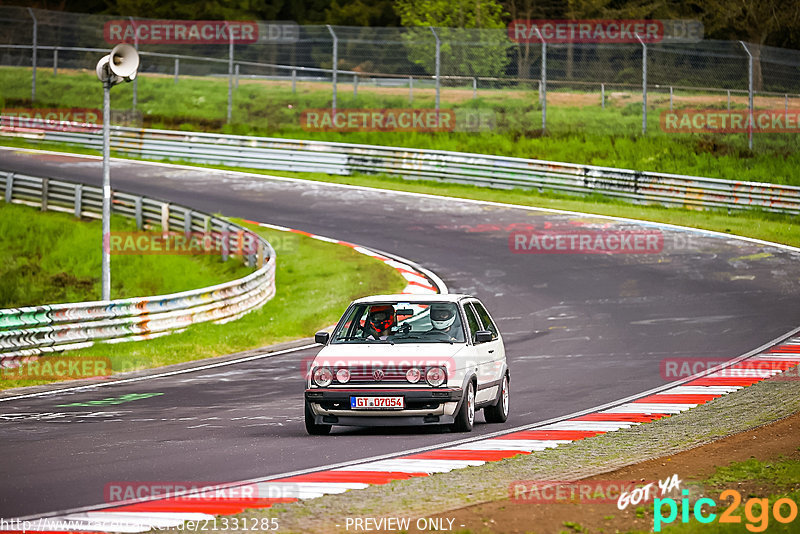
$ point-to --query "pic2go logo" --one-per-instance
(756, 511)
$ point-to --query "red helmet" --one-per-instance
(381, 317)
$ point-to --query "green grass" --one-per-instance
(48, 258)
(579, 134)
(315, 282)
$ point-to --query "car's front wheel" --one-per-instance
(499, 412)
(312, 427)
(465, 418)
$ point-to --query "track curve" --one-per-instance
(581, 330)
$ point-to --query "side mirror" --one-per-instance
(482, 336)
(321, 338)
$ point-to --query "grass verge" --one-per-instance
(315, 282)
(578, 130)
(51, 257)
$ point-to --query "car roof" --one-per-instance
(405, 297)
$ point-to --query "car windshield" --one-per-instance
(401, 322)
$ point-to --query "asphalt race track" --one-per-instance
(580, 330)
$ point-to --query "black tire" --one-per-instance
(465, 418)
(499, 412)
(313, 428)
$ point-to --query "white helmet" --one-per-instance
(442, 315)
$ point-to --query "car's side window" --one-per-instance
(485, 319)
(472, 321)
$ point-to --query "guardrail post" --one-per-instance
(45, 192)
(187, 222)
(164, 219)
(355, 85)
(225, 242)
(335, 64)
(35, 49)
(260, 254)
(177, 69)
(438, 64)
(9, 187)
(749, 95)
(55, 61)
(78, 201)
(603, 96)
(137, 211)
(644, 84)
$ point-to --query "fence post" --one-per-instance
(543, 81)
(294, 81)
(729, 101)
(749, 95)
(230, 72)
(135, 80)
(438, 63)
(670, 99)
(9, 187)
(236, 69)
(786, 107)
(644, 84)
(78, 201)
(335, 65)
(603, 96)
(474, 88)
(35, 49)
(177, 69)
(55, 61)
(410, 89)
(355, 85)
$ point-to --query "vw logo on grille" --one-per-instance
(377, 374)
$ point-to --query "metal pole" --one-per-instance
(34, 51)
(135, 80)
(729, 101)
(750, 95)
(644, 84)
(335, 65)
(603, 95)
(230, 72)
(410, 89)
(106, 266)
(177, 68)
(294, 81)
(670, 99)
(474, 88)
(355, 85)
(437, 65)
(236, 74)
(786, 107)
(543, 82)
(55, 61)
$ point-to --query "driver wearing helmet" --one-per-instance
(381, 318)
(442, 316)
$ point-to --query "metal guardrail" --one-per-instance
(37, 330)
(475, 169)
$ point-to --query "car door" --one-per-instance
(492, 369)
(484, 355)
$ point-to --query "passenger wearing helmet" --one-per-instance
(442, 316)
(380, 321)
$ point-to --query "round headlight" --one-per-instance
(323, 376)
(413, 375)
(436, 376)
(343, 375)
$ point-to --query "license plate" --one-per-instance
(377, 403)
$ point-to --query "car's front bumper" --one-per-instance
(422, 406)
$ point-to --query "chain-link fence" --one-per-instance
(447, 65)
